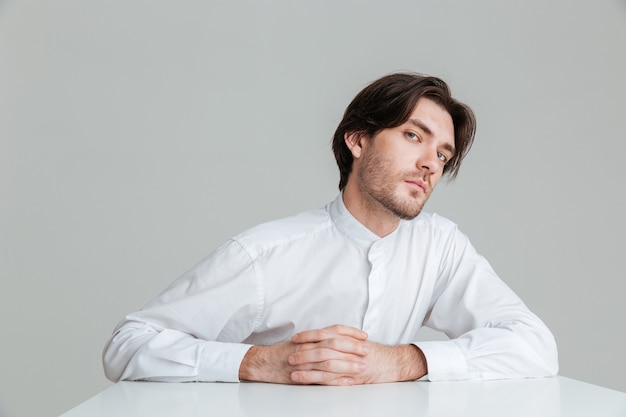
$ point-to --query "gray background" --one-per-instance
(135, 136)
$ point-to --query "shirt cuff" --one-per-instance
(445, 360)
(221, 361)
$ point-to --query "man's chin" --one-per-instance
(404, 207)
(407, 212)
(410, 216)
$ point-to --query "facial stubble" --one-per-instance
(379, 182)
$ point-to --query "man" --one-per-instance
(336, 296)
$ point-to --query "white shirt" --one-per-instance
(321, 268)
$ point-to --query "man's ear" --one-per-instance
(354, 141)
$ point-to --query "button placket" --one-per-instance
(376, 286)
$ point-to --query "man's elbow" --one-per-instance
(553, 362)
(550, 358)
(111, 363)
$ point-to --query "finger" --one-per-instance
(327, 333)
(320, 377)
(348, 331)
(339, 345)
(334, 366)
(322, 357)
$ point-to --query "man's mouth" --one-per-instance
(417, 183)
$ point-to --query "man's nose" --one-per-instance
(428, 160)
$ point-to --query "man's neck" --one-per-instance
(369, 212)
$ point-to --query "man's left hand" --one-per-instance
(343, 355)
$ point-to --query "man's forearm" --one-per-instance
(414, 362)
(266, 364)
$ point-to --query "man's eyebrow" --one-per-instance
(418, 123)
(421, 125)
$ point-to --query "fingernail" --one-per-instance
(295, 377)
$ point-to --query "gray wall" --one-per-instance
(135, 136)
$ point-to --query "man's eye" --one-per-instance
(442, 157)
(412, 136)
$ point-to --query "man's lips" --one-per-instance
(418, 184)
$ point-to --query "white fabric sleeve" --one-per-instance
(193, 330)
(493, 334)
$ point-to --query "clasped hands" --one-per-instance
(335, 355)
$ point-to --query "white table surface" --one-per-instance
(543, 397)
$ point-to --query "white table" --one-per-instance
(544, 397)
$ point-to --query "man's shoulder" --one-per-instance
(283, 231)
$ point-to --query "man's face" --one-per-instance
(399, 167)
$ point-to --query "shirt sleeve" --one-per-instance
(193, 330)
(493, 334)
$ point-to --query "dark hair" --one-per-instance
(388, 102)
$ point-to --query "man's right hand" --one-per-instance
(340, 350)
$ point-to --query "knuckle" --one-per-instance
(332, 343)
(326, 376)
(324, 354)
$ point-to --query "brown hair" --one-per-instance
(388, 102)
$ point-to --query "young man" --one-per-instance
(336, 295)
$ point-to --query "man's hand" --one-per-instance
(336, 355)
(339, 350)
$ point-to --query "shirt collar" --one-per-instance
(349, 225)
